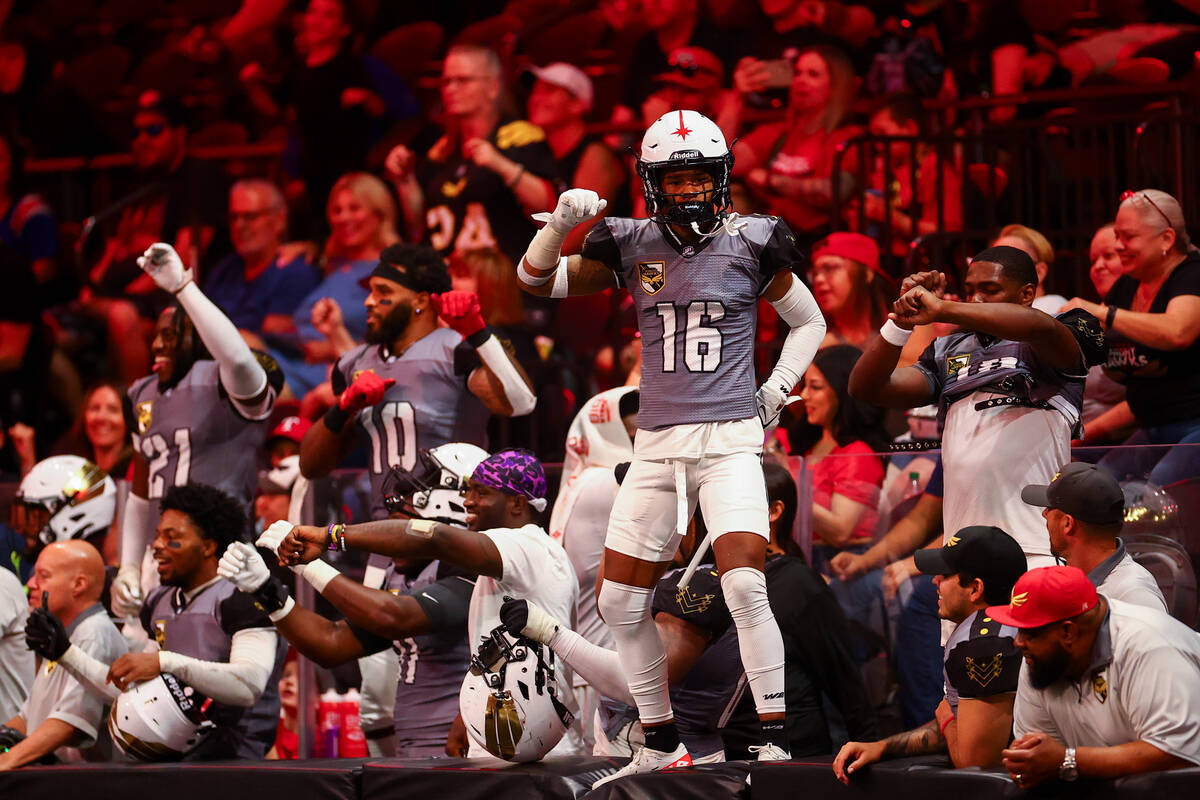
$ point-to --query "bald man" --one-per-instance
(60, 718)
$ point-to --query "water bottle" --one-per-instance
(351, 742)
(329, 724)
(914, 486)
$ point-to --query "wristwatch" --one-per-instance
(1068, 771)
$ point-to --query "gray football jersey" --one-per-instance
(697, 312)
(203, 629)
(428, 406)
(431, 673)
(192, 433)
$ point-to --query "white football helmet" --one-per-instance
(679, 139)
(509, 700)
(434, 487)
(159, 720)
(64, 497)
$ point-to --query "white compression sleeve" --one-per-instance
(241, 681)
(134, 532)
(626, 609)
(802, 314)
(519, 396)
(599, 666)
(759, 639)
(377, 703)
(90, 672)
(241, 374)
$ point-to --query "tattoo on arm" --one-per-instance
(919, 741)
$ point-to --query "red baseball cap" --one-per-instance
(1045, 595)
(854, 246)
(292, 428)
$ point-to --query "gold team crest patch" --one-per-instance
(692, 603)
(652, 275)
(160, 633)
(1100, 686)
(144, 415)
(984, 672)
(955, 364)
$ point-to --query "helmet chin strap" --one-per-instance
(729, 223)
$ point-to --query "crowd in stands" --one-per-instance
(364, 157)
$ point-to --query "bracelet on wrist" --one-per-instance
(1110, 318)
(512, 182)
(944, 724)
(336, 534)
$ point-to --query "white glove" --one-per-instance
(770, 400)
(242, 566)
(163, 264)
(574, 206)
(274, 535)
(127, 591)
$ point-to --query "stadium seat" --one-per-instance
(1171, 567)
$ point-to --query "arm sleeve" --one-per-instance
(807, 326)
(241, 374)
(241, 681)
(446, 602)
(599, 245)
(89, 671)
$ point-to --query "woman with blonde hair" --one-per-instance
(788, 165)
(362, 222)
(1037, 247)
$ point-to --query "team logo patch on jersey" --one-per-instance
(955, 364)
(160, 633)
(144, 415)
(1100, 686)
(692, 603)
(652, 275)
(986, 672)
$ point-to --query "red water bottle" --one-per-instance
(351, 742)
(329, 722)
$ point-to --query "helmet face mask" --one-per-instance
(64, 497)
(434, 487)
(685, 140)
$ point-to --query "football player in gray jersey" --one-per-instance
(695, 271)
(414, 385)
(200, 417)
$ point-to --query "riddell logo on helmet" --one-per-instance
(678, 154)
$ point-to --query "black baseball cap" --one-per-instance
(1085, 491)
(983, 551)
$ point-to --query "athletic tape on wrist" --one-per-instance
(894, 335)
(279, 614)
(319, 574)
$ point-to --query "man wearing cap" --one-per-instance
(1084, 510)
(511, 554)
(284, 440)
(978, 565)
(559, 104)
(1008, 383)
(413, 384)
(1108, 689)
(850, 287)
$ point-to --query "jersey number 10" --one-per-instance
(393, 431)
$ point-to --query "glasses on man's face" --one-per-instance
(247, 216)
(1143, 196)
(151, 130)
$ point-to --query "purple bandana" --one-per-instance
(514, 472)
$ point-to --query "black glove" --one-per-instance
(514, 615)
(45, 633)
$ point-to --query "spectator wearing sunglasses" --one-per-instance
(171, 199)
(1152, 318)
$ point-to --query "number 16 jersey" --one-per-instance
(697, 308)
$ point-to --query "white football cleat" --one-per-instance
(770, 752)
(649, 760)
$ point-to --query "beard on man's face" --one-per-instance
(392, 326)
(1043, 672)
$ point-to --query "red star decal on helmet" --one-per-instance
(683, 129)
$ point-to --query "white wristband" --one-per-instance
(279, 614)
(529, 279)
(319, 574)
(894, 335)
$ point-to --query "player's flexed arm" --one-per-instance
(544, 272)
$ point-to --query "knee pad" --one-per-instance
(623, 605)
(745, 590)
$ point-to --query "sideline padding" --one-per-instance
(463, 779)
